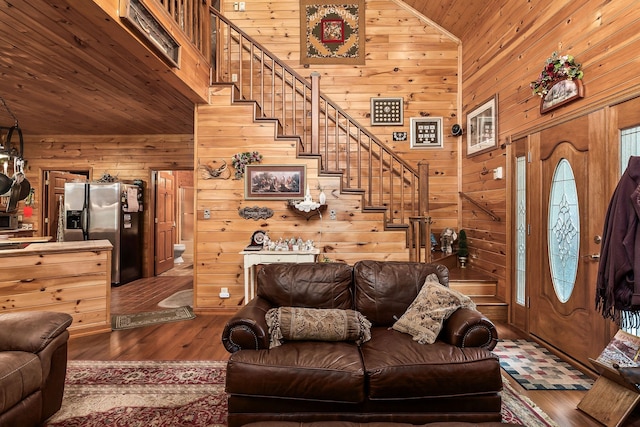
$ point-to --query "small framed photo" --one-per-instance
(561, 93)
(399, 136)
(274, 182)
(482, 128)
(387, 111)
(426, 132)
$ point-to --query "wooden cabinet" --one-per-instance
(68, 277)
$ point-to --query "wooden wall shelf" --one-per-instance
(306, 215)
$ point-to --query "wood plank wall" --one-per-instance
(223, 130)
(406, 56)
(127, 157)
(502, 54)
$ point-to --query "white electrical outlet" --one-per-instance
(498, 173)
(207, 214)
(224, 293)
(241, 6)
(234, 77)
(332, 214)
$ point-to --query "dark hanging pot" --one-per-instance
(5, 184)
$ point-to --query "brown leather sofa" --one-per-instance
(33, 366)
(390, 378)
(373, 424)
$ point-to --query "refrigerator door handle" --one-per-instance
(85, 223)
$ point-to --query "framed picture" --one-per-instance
(136, 15)
(426, 132)
(332, 32)
(561, 93)
(387, 112)
(277, 182)
(482, 128)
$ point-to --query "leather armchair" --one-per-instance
(33, 366)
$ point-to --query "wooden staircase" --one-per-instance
(477, 285)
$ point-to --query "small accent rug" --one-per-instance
(185, 393)
(179, 299)
(148, 318)
(535, 368)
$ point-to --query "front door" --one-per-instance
(567, 203)
(165, 221)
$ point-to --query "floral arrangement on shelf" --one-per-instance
(240, 160)
(556, 68)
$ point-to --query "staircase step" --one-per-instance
(374, 209)
(492, 307)
(482, 290)
(474, 289)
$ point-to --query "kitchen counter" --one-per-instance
(68, 277)
(41, 245)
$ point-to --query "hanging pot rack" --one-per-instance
(6, 147)
(18, 187)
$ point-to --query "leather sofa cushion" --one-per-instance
(400, 368)
(317, 285)
(20, 376)
(385, 289)
(323, 371)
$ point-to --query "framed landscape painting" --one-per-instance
(279, 182)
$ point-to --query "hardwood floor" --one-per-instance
(199, 339)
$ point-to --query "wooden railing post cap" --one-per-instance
(315, 74)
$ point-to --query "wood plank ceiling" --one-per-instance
(62, 71)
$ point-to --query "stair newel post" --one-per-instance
(420, 226)
(419, 238)
(423, 188)
(315, 112)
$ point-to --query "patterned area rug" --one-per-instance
(147, 318)
(176, 394)
(148, 393)
(535, 368)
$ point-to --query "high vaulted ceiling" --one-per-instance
(63, 72)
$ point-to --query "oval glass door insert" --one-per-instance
(563, 230)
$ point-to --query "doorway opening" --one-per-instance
(174, 221)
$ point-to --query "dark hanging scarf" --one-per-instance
(617, 293)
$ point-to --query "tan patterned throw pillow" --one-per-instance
(425, 316)
(314, 324)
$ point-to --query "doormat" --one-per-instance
(186, 393)
(148, 318)
(178, 299)
(535, 368)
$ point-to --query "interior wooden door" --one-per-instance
(53, 193)
(165, 222)
(567, 210)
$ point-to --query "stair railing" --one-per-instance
(344, 148)
(191, 17)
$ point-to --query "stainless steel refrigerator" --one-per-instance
(111, 211)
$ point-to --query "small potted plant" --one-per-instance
(463, 249)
